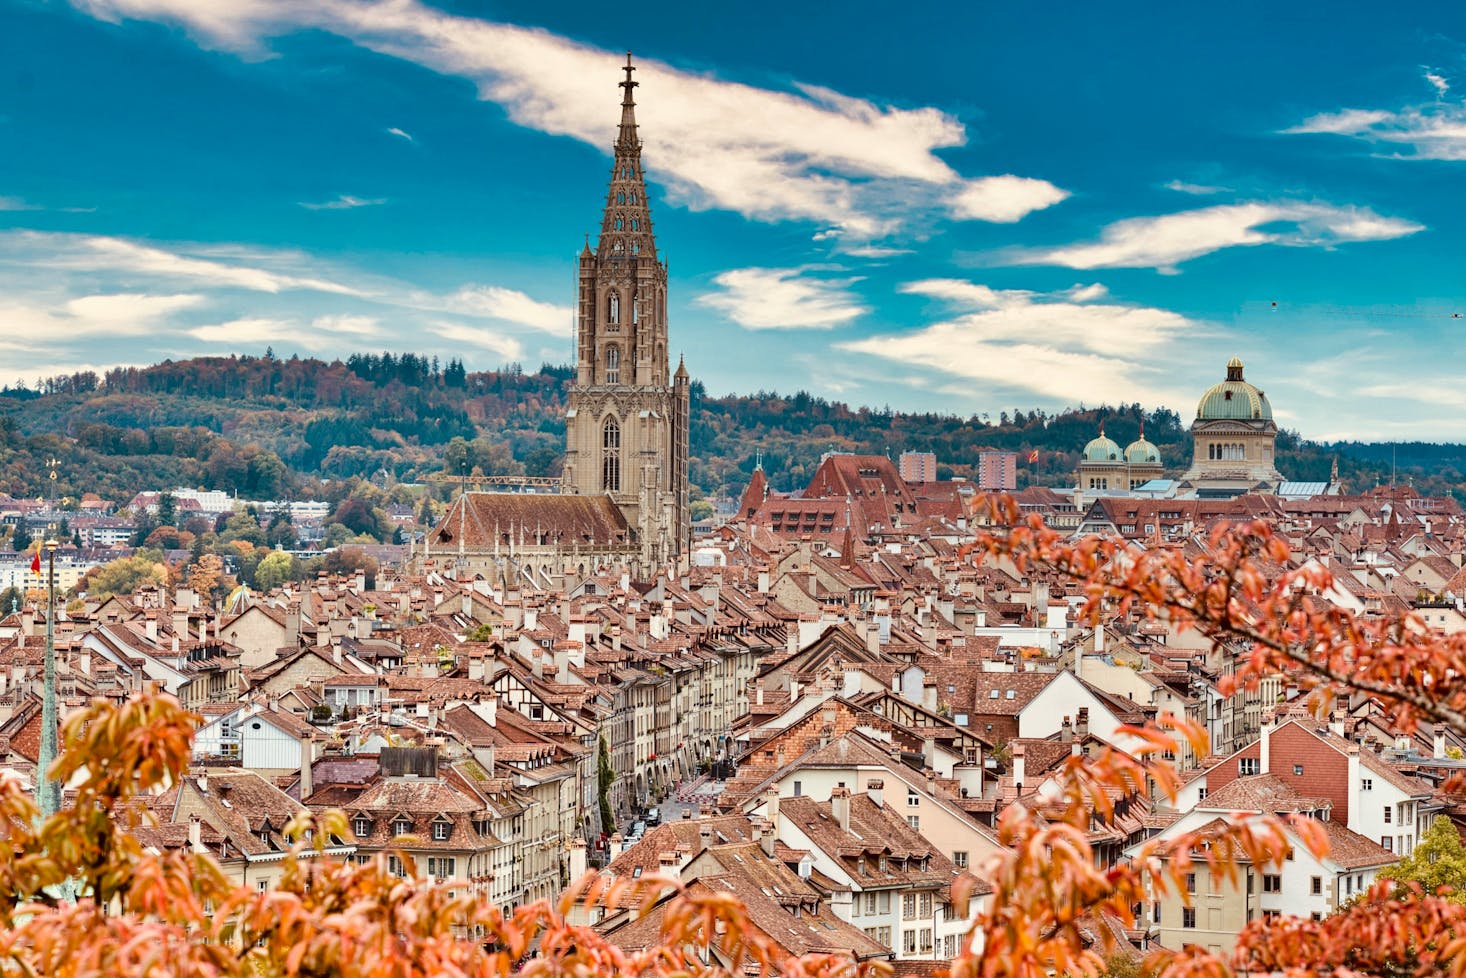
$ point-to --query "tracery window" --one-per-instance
(613, 365)
(611, 456)
(613, 308)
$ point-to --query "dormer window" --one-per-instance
(361, 826)
(442, 830)
(401, 826)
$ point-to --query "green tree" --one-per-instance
(10, 599)
(126, 574)
(21, 539)
(1439, 860)
(605, 777)
(167, 509)
(273, 570)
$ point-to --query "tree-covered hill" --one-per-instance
(265, 427)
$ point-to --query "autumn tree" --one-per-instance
(1241, 585)
(206, 576)
(274, 569)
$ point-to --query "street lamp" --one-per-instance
(48, 793)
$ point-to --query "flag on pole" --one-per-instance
(36, 561)
(1033, 456)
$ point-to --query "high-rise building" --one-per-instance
(918, 467)
(626, 426)
(997, 471)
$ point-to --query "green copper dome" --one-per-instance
(1102, 449)
(1234, 399)
(1142, 452)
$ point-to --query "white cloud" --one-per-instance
(1003, 199)
(1434, 130)
(509, 305)
(1196, 189)
(1165, 241)
(31, 324)
(394, 131)
(238, 332)
(210, 266)
(350, 325)
(808, 154)
(875, 251)
(16, 204)
(344, 202)
(506, 347)
(783, 298)
(1064, 347)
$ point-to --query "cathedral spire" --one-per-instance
(627, 134)
(626, 228)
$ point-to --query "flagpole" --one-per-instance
(47, 791)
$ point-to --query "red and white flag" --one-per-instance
(36, 562)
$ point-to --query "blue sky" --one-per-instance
(966, 208)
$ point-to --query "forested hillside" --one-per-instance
(265, 427)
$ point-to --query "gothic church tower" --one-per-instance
(626, 426)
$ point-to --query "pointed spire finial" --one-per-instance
(628, 84)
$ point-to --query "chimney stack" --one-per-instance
(1081, 723)
(875, 790)
(840, 807)
(1066, 732)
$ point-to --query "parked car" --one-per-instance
(654, 816)
(638, 829)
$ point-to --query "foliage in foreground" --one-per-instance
(178, 915)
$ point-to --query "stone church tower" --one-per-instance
(626, 426)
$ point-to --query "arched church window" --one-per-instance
(613, 308)
(633, 196)
(617, 224)
(635, 224)
(611, 456)
(613, 365)
(626, 171)
(635, 248)
(621, 197)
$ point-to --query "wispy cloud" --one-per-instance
(506, 347)
(507, 305)
(401, 134)
(1434, 130)
(809, 153)
(345, 202)
(249, 332)
(126, 259)
(16, 204)
(1165, 241)
(1196, 189)
(783, 298)
(349, 325)
(1061, 347)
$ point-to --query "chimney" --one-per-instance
(758, 693)
(840, 808)
(875, 790)
(929, 752)
(1081, 723)
(1020, 767)
(150, 626)
(1066, 732)
(763, 835)
(1264, 765)
(771, 808)
(1438, 742)
(292, 628)
(196, 834)
(763, 582)
(1099, 638)
(578, 860)
(615, 845)
(306, 758)
(705, 834)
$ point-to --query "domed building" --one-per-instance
(1143, 460)
(1233, 440)
(1102, 466)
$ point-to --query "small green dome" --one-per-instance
(1234, 399)
(1102, 449)
(1142, 452)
